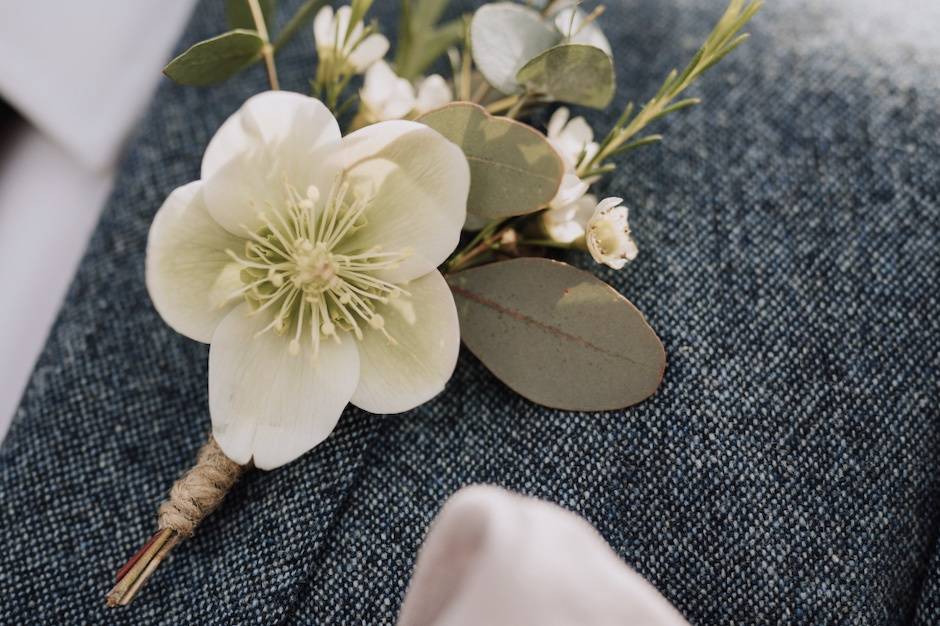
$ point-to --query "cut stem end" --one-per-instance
(132, 576)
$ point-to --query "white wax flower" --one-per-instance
(608, 237)
(570, 190)
(386, 96)
(570, 22)
(433, 93)
(336, 43)
(567, 224)
(308, 261)
(573, 139)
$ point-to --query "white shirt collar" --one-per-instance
(82, 72)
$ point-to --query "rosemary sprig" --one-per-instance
(723, 39)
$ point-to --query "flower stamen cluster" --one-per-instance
(293, 265)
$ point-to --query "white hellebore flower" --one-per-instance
(335, 42)
(573, 139)
(308, 261)
(608, 234)
(386, 96)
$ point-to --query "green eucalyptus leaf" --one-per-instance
(216, 59)
(513, 168)
(574, 73)
(557, 335)
(504, 37)
(238, 14)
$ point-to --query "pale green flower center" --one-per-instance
(608, 236)
(297, 266)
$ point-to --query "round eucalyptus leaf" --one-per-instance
(514, 170)
(574, 73)
(557, 335)
(216, 59)
(504, 37)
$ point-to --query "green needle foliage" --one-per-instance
(724, 38)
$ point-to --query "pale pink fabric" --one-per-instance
(493, 558)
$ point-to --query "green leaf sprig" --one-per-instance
(250, 40)
(624, 136)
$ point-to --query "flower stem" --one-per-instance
(192, 498)
(502, 105)
(482, 242)
(517, 107)
(267, 50)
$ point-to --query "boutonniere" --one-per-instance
(326, 268)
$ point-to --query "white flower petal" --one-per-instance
(276, 136)
(385, 95)
(401, 100)
(590, 35)
(341, 23)
(323, 28)
(558, 121)
(607, 204)
(579, 133)
(419, 182)
(572, 138)
(267, 404)
(567, 224)
(433, 92)
(369, 51)
(397, 378)
(379, 81)
(571, 189)
(608, 237)
(188, 271)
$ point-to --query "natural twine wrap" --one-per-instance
(194, 496)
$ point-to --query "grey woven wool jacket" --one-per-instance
(788, 471)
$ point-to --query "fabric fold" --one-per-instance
(495, 558)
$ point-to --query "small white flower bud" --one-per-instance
(608, 237)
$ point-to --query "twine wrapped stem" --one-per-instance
(192, 498)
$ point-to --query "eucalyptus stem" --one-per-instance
(267, 50)
(502, 105)
(482, 91)
(479, 244)
(517, 107)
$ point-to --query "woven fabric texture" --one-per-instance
(788, 471)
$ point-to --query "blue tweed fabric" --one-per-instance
(788, 472)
